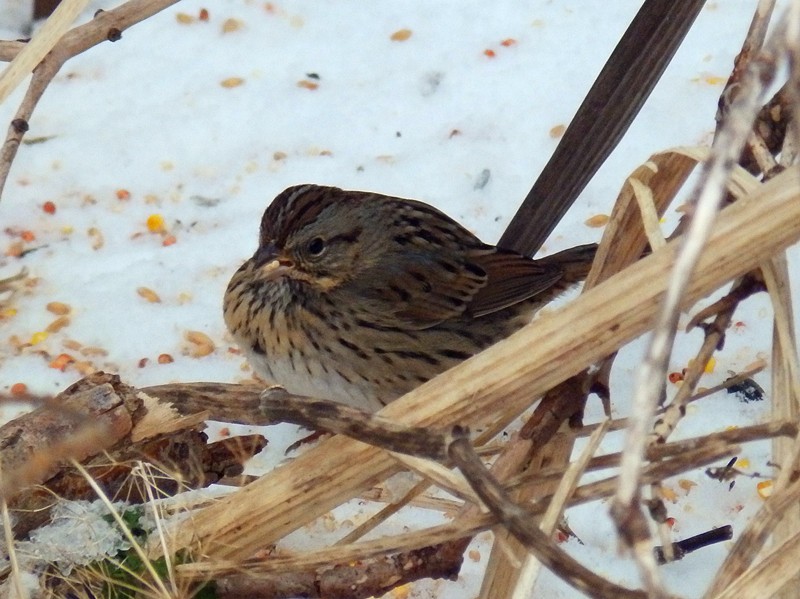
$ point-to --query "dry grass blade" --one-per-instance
(518, 522)
(785, 388)
(769, 576)
(530, 568)
(158, 587)
(751, 541)
(8, 534)
(319, 558)
(553, 347)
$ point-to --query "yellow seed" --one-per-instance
(596, 221)
(668, 494)
(38, 337)
(183, 18)
(72, 344)
(713, 80)
(58, 324)
(148, 294)
(232, 82)
(58, 308)
(401, 35)
(9, 312)
(97, 237)
(202, 345)
(155, 223)
(712, 362)
(401, 592)
(92, 351)
(557, 131)
(764, 488)
(84, 367)
(742, 463)
(231, 25)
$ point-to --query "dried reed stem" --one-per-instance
(706, 198)
(566, 487)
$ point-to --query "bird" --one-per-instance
(359, 297)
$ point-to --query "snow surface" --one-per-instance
(430, 117)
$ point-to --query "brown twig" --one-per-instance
(517, 520)
(357, 424)
(753, 42)
(368, 578)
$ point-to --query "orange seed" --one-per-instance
(58, 324)
(61, 362)
(58, 308)
(148, 294)
(401, 35)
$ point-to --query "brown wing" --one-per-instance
(432, 269)
(424, 274)
(416, 291)
(511, 279)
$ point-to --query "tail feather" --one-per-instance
(574, 262)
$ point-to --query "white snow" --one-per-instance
(427, 118)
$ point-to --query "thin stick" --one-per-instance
(517, 520)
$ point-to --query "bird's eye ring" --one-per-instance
(316, 246)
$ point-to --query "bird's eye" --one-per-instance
(316, 246)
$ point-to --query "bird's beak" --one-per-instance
(271, 263)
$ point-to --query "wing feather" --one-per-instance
(512, 278)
